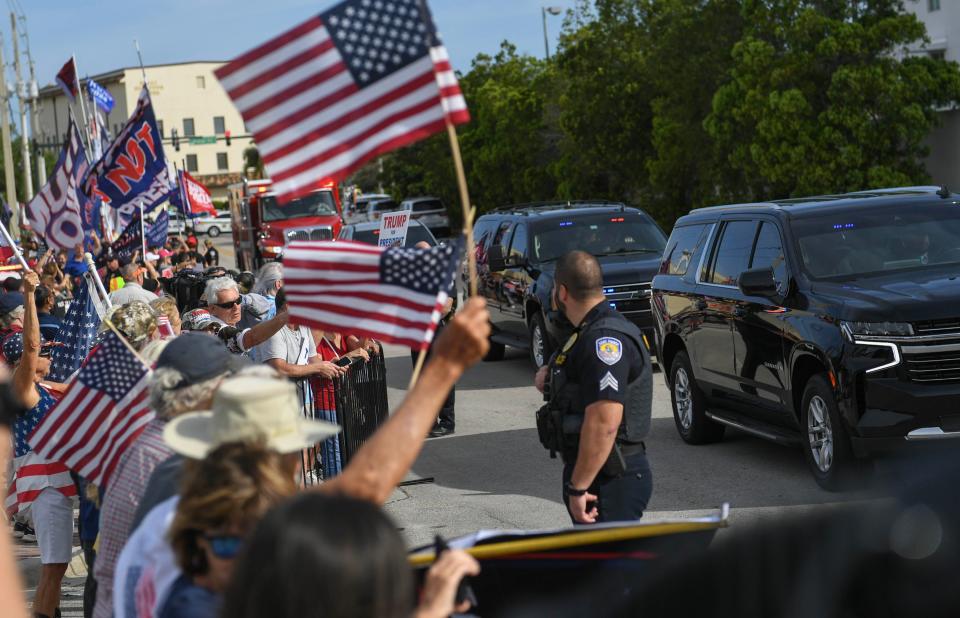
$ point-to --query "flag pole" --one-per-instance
(417, 368)
(92, 267)
(143, 234)
(14, 247)
(83, 108)
(465, 204)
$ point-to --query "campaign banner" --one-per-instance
(100, 95)
(134, 168)
(393, 228)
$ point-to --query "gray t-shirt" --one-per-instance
(293, 346)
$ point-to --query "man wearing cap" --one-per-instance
(132, 287)
(248, 409)
(110, 271)
(188, 371)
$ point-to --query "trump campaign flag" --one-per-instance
(133, 169)
(100, 96)
(57, 212)
(391, 294)
(359, 80)
(103, 411)
(193, 199)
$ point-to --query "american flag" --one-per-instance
(395, 295)
(76, 334)
(103, 411)
(359, 80)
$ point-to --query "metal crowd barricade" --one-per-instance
(357, 402)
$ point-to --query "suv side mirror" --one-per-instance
(496, 258)
(758, 282)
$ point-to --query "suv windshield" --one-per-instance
(881, 240)
(607, 234)
(312, 205)
(425, 205)
(383, 206)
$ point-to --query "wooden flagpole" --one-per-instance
(469, 212)
(465, 205)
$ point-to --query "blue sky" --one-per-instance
(101, 33)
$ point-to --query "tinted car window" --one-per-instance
(769, 253)
(501, 234)
(599, 235)
(682, 245)
(884, 239)
(310, 205)
(733, 256)
(425, 205)
(383, 206)
(518, 246)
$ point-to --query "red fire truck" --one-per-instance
(262, 228)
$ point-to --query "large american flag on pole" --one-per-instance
(359, 80)
(395, 295)
(105, 409)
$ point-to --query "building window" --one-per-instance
(160, 127)
(188, 127)
(219, 126)
(933, 5)
(191, 163)
(938, 54)
(201, 81)
(222, 162)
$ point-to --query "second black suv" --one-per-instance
(517, 247)
(830, 322)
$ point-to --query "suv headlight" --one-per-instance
(853, 330)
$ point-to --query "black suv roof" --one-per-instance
(561, 208)
(824, 204)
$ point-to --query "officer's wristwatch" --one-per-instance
(570, 491)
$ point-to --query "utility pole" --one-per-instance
(34, 120)
(23, 95)
(8, 150)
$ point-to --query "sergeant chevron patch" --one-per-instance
(608, 381)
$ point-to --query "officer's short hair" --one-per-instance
(580, 273)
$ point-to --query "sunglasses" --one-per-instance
(224, 546)
(229, 304)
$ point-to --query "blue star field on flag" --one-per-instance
(77, 334)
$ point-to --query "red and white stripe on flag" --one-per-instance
(103, 412)
(339, 286)
(342, 88)
(32, 475)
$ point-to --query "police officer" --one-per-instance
(598, 387)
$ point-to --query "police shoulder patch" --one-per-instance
(609, 350)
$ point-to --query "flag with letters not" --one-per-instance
(361, 79)
(395, 294)
(133, 168)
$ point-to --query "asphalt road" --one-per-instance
(493, 473)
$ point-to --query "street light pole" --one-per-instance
(553, 10)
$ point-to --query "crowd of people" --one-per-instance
(213, 486)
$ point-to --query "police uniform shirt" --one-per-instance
(605, 361)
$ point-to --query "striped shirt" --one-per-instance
(120, 505)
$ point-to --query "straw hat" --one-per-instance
(245, 410)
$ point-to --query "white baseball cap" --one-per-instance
(248, 409)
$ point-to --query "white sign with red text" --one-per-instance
(393, 228)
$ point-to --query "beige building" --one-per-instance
(186, 97)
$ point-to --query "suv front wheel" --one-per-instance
(540, 348)
(827, 445)
(689, 408)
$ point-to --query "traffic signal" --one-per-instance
(175, 136)
(226, 135)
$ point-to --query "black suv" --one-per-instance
(830, 322)
(517, 247)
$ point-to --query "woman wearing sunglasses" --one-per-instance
(222, 498)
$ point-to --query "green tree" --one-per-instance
(688, 57)
(604, 103)
(822, 98)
